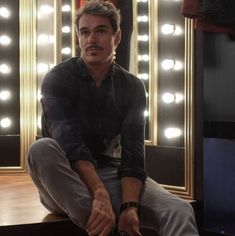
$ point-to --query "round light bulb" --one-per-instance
(172, 132)
(5, 69)
(66, 8)
(5, 122)
(5, 95)
(142, 18)
(143, 76)
(4, 12)
(66, 29)
(146, 113)
(66, 51)
(168, 64)
(168, 98)
(143, 38)
(168, 29)
(5, 40)
(143, 57)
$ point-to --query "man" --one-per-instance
(90, 163)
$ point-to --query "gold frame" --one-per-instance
(28, 74)
(187, 191)
(28, 94)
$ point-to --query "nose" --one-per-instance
(92, 37)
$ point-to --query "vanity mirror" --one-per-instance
(160, 45)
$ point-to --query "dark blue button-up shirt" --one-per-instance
(103, 125)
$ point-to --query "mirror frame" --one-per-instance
(28, 94)
(186, 191)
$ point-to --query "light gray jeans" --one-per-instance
(62, 192)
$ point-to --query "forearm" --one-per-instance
(89, 176)
(131, 188)
(101, 210)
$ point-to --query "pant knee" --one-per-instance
(43, 151)
(182, 209)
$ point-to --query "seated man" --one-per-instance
(90, 163)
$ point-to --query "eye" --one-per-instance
(101, 31)
(84, 32)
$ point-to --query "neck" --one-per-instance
(98, 72)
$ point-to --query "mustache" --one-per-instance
(93, 46)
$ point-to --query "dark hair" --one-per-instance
(100, 8)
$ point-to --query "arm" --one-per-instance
(59, 121)
(102, 218)
(132, 171)
(62, 124)
(128, 220)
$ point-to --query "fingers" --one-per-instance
(101, 220)
(129, 223)
(101, 225)
(136, 229)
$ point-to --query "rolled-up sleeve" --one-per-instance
(59, 119)
(133, 135)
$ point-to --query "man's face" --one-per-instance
(97, 40)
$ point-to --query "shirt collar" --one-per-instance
(85, 74)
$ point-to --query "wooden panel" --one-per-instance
(20, 203)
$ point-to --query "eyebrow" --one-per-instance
(97, 27)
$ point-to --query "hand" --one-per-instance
(102, 218)
(129, 223)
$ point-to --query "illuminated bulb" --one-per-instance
(172, 132)
(66, 51)
(146, 113)
(45, 9)
(143, 76)
(172, 97)
(66, 8)
(5, 122)
(168, 29)
(45, 38)
(43, 67)
(142, 18)
(66, 29)
(5, 40)
(4, 12)
(143, 57)
(143, 38)
(5, 69)
(168, 64)
(5, 95)
(147, 95)
(168, 98)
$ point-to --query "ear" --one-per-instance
(118, 36)
(77, 34)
